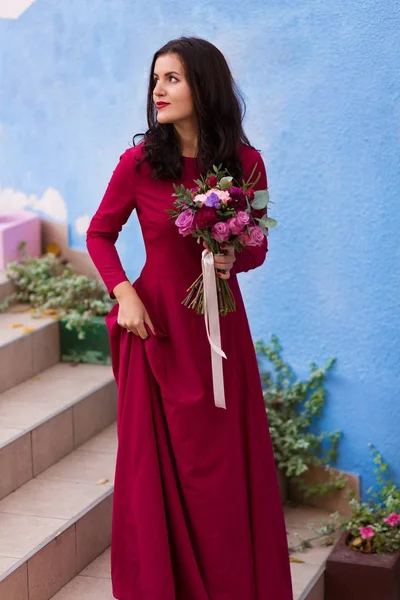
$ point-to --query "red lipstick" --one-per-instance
(162, 104)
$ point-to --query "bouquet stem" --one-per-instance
(195, 298)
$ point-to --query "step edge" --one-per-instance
(66, 525)
(56, 413)
(52, 323)
(313, 581)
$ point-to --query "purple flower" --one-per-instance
(213, 201)
(185, 222)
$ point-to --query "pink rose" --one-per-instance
(221, 231)
(238, 223)
(185, 222)
(244, 238)
(256, 236)
(393, 519)
(253, 237)
(367, 532)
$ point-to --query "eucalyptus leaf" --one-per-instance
(264, 229)
(269, 222)
(261, 199)
(225, 183)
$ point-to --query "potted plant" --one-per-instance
(293, 405)
(365, 562)
(49, 285)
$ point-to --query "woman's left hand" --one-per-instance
(223, 262)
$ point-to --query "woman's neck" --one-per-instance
(188, 138)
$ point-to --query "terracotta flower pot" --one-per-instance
(350, 574)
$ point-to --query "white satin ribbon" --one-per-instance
(211, 317)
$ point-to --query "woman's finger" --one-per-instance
(223, 262)
(225, 274)
(142, 331)
(147, 320)
(131, 329)
(228, 249)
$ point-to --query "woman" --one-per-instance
(197, 513)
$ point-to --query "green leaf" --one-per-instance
(264, 229)
(225, 183)
(261, 199)
(269, 222)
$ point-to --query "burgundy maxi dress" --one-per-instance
(197, 513)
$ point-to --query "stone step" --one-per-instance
(307, 576)
(27, 345)
(46, 417)
(94, 582)
(58, 523)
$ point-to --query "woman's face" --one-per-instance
(172, 89)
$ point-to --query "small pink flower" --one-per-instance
(200, 198)
(238, 223)
(393, 519)
(185, 222)
(221, 231)
(367, 532)
(223, 195)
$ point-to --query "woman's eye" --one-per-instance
(155, 80)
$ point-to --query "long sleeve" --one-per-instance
(115, 208)
(252, 257)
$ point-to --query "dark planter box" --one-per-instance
(94, 349)
(283, 486)
(350, 575)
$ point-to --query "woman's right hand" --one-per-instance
(132, 314)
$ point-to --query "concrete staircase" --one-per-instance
(57, 455)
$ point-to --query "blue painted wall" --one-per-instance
(322, 86)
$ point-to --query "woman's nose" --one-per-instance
(158, 89)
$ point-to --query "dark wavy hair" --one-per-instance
(219, 111)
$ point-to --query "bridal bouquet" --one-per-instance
(219, 212)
